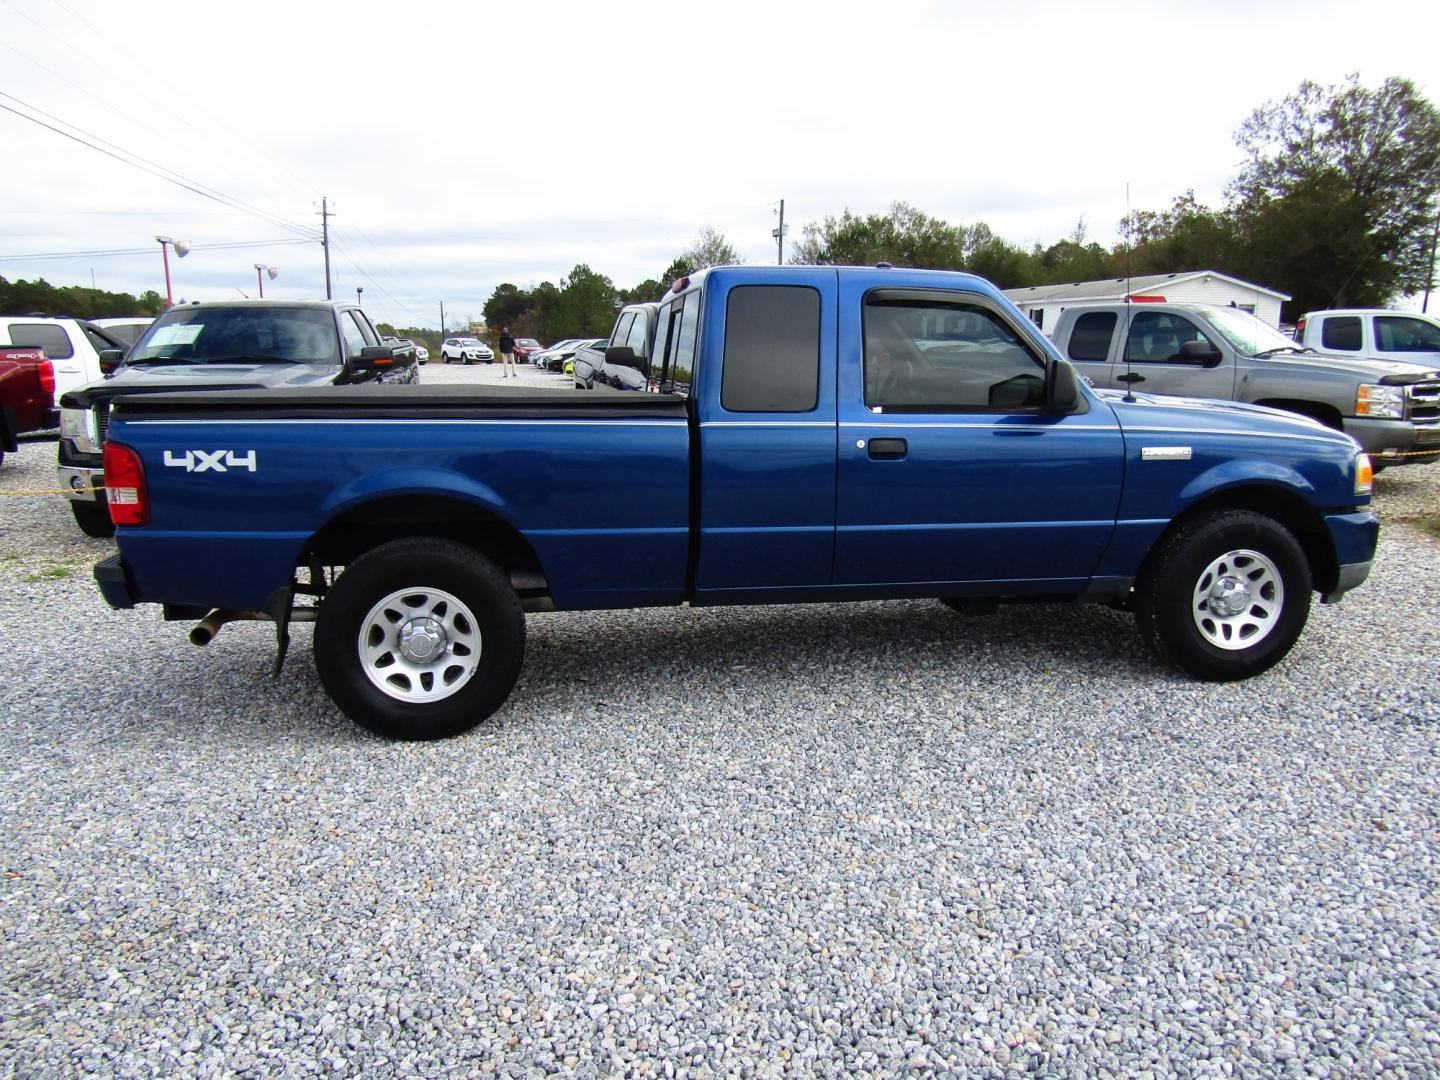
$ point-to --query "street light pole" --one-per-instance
(260, 270)
(358, 290)
(181, 250)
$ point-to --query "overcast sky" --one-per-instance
(462, 145)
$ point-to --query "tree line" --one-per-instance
(39, 297)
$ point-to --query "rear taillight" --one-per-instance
(46, 372)
(125, 485)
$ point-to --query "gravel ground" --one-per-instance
(874, 839)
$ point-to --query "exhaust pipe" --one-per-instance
(205, 630)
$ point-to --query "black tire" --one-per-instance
(480, 607)
(465, 361)
(1225, 596)
(93, 518)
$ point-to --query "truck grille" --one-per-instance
(1424, 403)
(102, 424)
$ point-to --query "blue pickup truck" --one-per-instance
(813, 434)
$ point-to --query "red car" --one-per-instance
(525, 347)
(27, 394)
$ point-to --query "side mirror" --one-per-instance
(1200, 352)
(1062, 389)
(374, 358)
(110, 360)
(624, 356)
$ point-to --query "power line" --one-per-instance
(93, 61)
(154, 169)
(35, 256)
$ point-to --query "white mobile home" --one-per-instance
(1043, 303)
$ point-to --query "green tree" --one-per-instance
(647, 290)
(585, 306)
(903, 236)
(711, 249)
(1338, 192)
(506, 307)
(1188, 236)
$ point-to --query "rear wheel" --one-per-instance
(93, 517)
(420, 639)
(1226, 596)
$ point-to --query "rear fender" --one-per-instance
(412, 481)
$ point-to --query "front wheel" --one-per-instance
(93, 517)
(1226, 596)
(420, 638)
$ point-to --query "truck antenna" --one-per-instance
(1129, 378)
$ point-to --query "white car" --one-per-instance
(467, 350)
(422, 354)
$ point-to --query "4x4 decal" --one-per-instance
(211, 460)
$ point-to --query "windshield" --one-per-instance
(1247, 333)
(527, 343)
(201, 335)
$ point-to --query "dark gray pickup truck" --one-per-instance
(231, 345)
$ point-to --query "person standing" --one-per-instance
(507, 354)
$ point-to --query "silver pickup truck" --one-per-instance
(1196, 350)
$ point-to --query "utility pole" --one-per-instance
(779, 235)
(325, 241)
(442, 319)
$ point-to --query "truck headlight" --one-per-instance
(1364, 474)
(1382, 401)
(76, 425)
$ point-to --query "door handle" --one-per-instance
(887, 449)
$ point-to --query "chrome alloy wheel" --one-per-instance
(1238, 599)
(419, 645)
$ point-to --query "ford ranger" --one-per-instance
(1199, 350)
(223, 345)
(819, 433)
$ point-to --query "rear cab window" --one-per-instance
(771, 362)
(47, 336)
(1091, 336)
(1341, 332)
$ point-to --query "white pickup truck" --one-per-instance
(1373, 333)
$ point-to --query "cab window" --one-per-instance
(1156, 337)
(936, 356)
(354, 339)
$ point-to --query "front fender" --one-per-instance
(1242, 472)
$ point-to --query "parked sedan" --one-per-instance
(525, 347)
(541, 359)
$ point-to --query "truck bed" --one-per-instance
(592, 488)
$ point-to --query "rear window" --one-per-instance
(47, 336)
(772, 349)
(1090, 340)
(1341, 332)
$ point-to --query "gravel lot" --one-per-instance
(875, 839)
